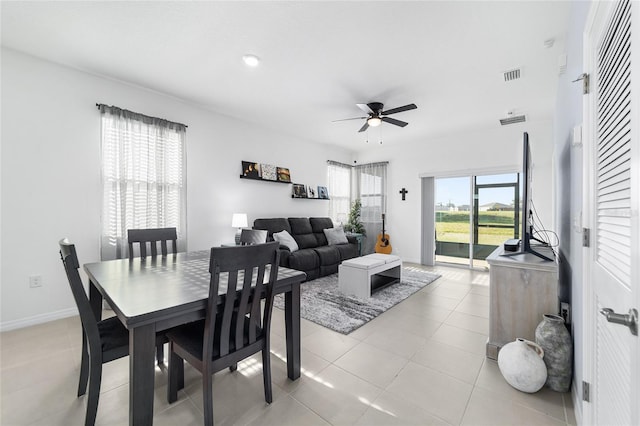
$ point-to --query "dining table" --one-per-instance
(153, 294)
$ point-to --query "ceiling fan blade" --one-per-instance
(399, 109)
(364, 127)
(394, 121)
(365, 108)
(346, 119)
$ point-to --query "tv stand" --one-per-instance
(527, 248)
(521, 290)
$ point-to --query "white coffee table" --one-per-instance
(361, 276)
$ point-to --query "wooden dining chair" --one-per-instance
(152, 237)
(252, 236)
(102, 341)
(234, 327)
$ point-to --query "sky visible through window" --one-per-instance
(457, 190)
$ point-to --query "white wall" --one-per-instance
(491, 148)
(50, 176)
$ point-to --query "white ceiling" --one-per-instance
(318, 58)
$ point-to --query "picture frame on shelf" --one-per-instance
(268, 172)
(323, 193)
(251, 170)
(298, 191)
(311, 192)
(283, 174)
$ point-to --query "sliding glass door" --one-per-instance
(474, 215)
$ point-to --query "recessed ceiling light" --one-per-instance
(251, 60)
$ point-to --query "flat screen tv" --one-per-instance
(526, 231)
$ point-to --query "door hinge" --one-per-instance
(585, 82)
(585, 391)
(586, 237)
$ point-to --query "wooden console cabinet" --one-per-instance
(522, 289)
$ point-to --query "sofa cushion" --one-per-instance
(306, 241)
(304, 260)
(320, 223)
(335, 236)
(285, 239)
(328, 255)
(300, 225)
(272, 225)
(302, 232)
(347, 251)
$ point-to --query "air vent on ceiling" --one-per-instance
(513, 74)
(512, 119)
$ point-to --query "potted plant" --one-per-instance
(354, 224)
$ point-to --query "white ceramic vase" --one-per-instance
(521, 365)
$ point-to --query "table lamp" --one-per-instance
(239, 220)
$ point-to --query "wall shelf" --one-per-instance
(263, 180)
(307, 198)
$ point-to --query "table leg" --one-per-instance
(292, 326)
(142, 350)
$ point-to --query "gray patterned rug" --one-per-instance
(322, 303)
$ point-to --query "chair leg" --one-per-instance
(266, 374)
(94, 391)
(207, 398)
(84, 367)
(160, 354)
(176, 375)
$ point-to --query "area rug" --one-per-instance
(322, 303)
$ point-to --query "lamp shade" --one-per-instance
(239, 220)
(374, 121)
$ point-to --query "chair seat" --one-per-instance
(189, 337)
(113, 334)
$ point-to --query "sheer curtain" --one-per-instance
(369, 183)
(143, 177)
(339, 181)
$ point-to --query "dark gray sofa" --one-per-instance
(314, 257)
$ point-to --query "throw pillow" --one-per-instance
(335, 236)
(285, 239)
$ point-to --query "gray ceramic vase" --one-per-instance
(554, 338)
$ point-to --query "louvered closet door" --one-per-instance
(613, 193)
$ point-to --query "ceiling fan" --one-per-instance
(376, 115)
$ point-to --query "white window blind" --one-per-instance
(613, 162)
(143, 177)
(339, 180)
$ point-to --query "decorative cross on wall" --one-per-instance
(403, 192)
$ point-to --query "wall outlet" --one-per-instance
(565, 312)
(35, 281)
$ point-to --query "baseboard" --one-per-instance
(37, 319)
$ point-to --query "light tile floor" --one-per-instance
(422, 363)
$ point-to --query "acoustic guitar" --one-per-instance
(383, 245)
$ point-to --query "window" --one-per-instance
(143, 177)
(339, 180)
(368, 182)
(370, 185)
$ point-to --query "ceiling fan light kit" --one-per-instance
(376, 115)
(374, 121)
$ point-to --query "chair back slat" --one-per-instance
(152, 237)
(71, 265)
(246, 267)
